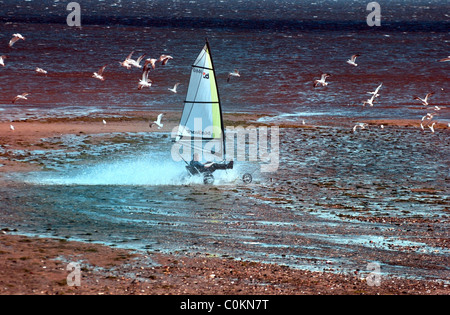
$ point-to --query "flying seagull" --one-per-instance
(322, 80)
(164, 59)
(126, 62)
(136, 63)
(2, 60)
(432, 127)
(235, 73)
(22, 96)
(145, 81)
(40, 71)
(360, 125)
(15, 38)
(12, 127)
(99, 74)
(424, 100)
(428, 116)
(445, 59)
(151, 61)
(158, 122)
(370, 100)
(376, 90)
(352, 60)
(174, 89)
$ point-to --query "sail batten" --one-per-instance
(202, 114)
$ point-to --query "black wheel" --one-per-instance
(247, 178)
(208, 179)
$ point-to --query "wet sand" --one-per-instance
(38, 266)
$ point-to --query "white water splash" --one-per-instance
(141, 171)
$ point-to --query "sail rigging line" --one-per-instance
(195, 66)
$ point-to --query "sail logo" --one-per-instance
(205, 75)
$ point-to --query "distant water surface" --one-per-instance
(280, 47)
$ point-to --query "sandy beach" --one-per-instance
(32, 265)
(39, 267)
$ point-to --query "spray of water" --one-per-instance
(145, 170)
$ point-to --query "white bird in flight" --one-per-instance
(104, 122)
(151, 61)
(322, 80)
(12, 127)
(376, 90)
(432, 127)
(428, 116)
(445, 59)
(15, 38)
(22, 96)
(174, 89)
(136, 63)
(351, 61)
(360, 125)
(40, 71)
(126, 62)
(235, 73)
(370, 100)
(145, 81)
(99, 74)
(2, 60)
(158, 122)
(164, 59)
(424, 100)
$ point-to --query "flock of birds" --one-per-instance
(426, 120)
(128, 63)
(150, 63)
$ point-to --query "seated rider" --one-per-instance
(196, 164)
(209, 166)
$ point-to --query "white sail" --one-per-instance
(201, 125)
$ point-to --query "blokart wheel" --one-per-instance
(247, 178)
(208, 179)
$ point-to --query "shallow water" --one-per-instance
(316, 212)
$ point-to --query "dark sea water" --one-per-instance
(280, 47)
(128, 193)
